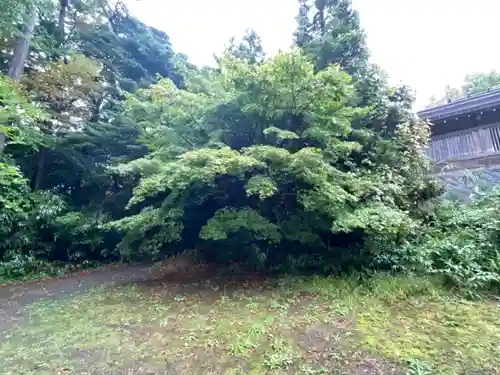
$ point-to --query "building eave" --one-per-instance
(472, 104)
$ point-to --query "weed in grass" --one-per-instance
(268, 320)
(418, 367)
(279, 305)
(342, 310)
(189, 338)
(252, 305)
(279, 355)
(306, 369)
(179, 298)
(257, 329)
(249, 341)
(224, 300)
(242, 346)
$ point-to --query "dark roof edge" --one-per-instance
(458, 107)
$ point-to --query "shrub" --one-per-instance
(461, 243)
(38, 228)
(16, 203)
(19, 266)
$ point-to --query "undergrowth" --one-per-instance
(24, 267)
(460, 243)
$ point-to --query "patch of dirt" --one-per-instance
(323, 337)
(199, 362)
(328, 346)
(136, 371)
(316, 338)
(205, 281)
(372, 366)
(14, 298)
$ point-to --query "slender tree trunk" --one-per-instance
(22, 47)
(63, 6)
(21, 50)
(36, 180)
(320, 6)
(2, 142)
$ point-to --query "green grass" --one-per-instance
(289, 326)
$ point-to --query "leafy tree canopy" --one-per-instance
(262, 157)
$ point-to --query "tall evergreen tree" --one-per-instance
(22, 45)
(72, 149)
(132, 53)
(330, 32)
(249, 49)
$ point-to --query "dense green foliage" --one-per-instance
(117, 149)
(460, 243)
(261, 164)
(64, 132)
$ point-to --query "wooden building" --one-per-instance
(465, 138)
(466, 132)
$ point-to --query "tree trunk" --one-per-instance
(63, 6)
(22, 47)
(20, 54)
(39, 171)
(320, 6)
(2, 142)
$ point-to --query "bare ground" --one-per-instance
(15, 297)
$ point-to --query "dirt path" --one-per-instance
(16, 297)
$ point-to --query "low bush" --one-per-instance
(461, 243)
(20, 267)
(41, 236)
